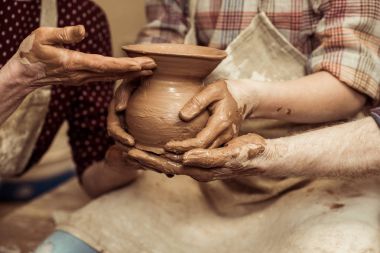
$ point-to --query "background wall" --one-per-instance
(126, 17)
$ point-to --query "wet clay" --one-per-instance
(153, 110)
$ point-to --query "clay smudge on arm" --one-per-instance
(336, 206)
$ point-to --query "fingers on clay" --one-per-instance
(199, 103)
(223, 139)
(209, 158)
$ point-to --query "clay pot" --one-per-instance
(153, 109)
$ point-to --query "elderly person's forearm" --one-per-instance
(41, 60)
(12, 89)
(346, 150)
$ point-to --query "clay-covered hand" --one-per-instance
(236, 158)
(237, 155)
(42, 60)
(116, 123)
(168, 165)
(228, 108)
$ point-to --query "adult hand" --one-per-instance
(41, 60)
(236, 158)
(228, 109)
(116, 123)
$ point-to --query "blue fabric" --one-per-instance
(375, 113)
(62, 242)
(23, 190)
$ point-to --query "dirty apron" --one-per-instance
(157, 214)
(19, 133)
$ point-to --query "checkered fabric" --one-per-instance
(341, 37)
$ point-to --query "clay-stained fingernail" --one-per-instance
(80, 31)
(120, 107)
(188, 112)
(174, 147)
(146, 73)
(121, 103)
(130, 141)
(169, 145)
(135, 154)
(134, 68)
(145, 62)
(74, 34)
(149, 65)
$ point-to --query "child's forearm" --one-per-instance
(101, 178)
(107, 175)
(316, 98)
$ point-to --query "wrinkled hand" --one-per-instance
(236, 158)
(116, 124)
(229, 102)
(223, 124)
(41, 60)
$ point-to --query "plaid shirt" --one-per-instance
(341, 37)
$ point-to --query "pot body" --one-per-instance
(153, 111)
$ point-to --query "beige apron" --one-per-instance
(19, 133)
(252, 55)
(157, 214)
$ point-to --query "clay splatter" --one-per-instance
(336, 206)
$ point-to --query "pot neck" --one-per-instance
(176, 78)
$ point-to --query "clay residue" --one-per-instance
(244, 109)
(287, 112)
(155, 150)
(176, 50)
(173, 157)
(336, 206)
(153, 112)
(354, 194)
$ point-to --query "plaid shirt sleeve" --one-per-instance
(167, 22)
(349, 35)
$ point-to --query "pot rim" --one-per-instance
(176, 50)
